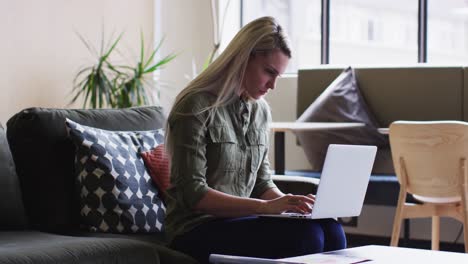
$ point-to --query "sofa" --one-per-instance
(418, 92)
(40, 221)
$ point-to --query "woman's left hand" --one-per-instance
(305, 206)
(288, 203)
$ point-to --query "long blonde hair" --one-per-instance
(224, 76)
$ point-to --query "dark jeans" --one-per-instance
(261, 237)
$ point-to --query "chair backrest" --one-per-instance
(429, 156)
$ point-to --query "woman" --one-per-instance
(217, 138)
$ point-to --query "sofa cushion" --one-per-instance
(11, 204)
(157, 163)
(44, 156)
(37, 247)
(158, 240)
(116, 193)
(340, 102)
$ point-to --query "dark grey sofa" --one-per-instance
(39, 222)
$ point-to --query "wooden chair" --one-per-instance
(430, 160)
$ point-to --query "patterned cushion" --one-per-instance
(157, 163)
(116, 192)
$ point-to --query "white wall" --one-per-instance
(187, 28)
(40, 53)
(283, 104)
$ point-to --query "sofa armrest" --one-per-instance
(296, 184)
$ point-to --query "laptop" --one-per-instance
(343, 183)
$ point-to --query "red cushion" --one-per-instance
(157, 163)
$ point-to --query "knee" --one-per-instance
(313, 238)
(334, 235)
(315, 242)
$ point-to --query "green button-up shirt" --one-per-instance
(227, 153)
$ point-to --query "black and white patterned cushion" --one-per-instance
(116, 192)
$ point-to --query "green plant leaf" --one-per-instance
(151, 57)
(105, 56)
(142, 46)
(160, 63)
(109, 85)
(79, 91)
(86, 43)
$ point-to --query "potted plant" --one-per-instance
(117, 86)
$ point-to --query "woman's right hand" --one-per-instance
(288, 203)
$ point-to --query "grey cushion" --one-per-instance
(158, 240)
(44, 156)
(340, 102)
(36, 247)
(12, 214)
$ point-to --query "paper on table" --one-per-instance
(323, 258)
(327, 258)
(228, 259)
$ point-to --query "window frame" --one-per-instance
(325, 30)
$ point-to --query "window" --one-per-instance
(447, 36)
(300, 19)
(373, 32)
(366, 31)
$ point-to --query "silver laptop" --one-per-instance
(343, 183)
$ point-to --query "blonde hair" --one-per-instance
(224, 76)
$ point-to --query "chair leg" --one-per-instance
(435, 233)
(465, 228)
(396, 233)
(398, 215)
(397, 224)
(463, 178)
(465, 235)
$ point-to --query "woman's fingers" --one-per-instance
(299, 209)
(301, 204)
(298, 199)
(292, 203)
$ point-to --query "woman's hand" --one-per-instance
(291, 203)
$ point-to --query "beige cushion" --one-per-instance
(437, 199)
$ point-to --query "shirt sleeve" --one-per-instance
(264, 181)
(188, 160)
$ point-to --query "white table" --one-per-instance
(384, 254)
(279, 129)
